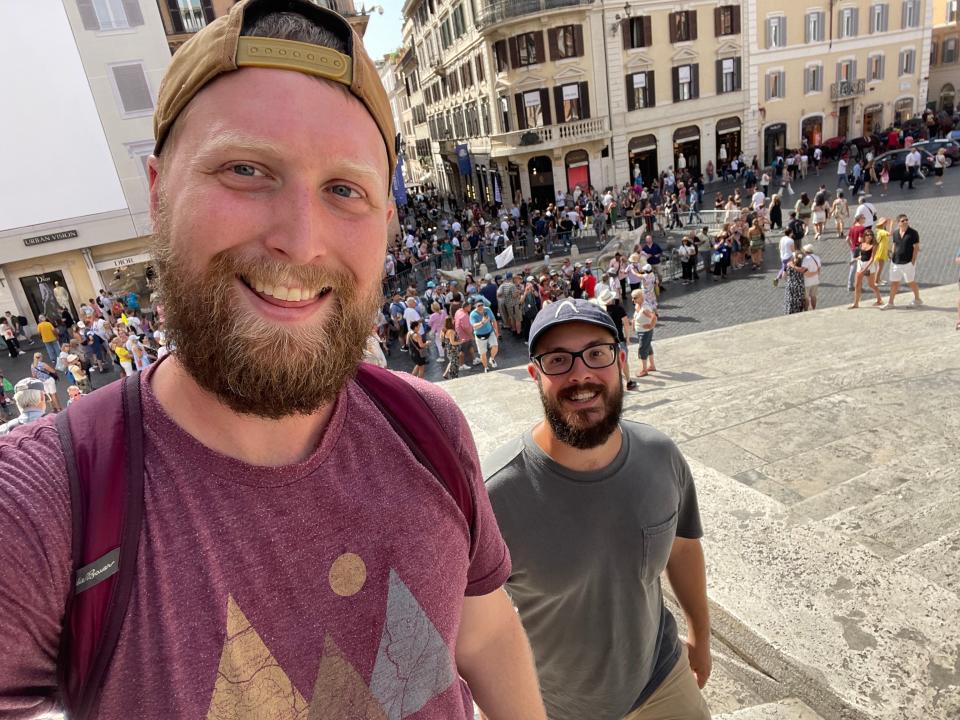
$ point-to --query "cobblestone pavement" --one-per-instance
(747, 296)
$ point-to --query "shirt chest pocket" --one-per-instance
(657, 544)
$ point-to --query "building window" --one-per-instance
(776, 32)
(504, 115)
(637, 33)
(478, 61)
(565, 42)
(813, 31)
(933, 53)
(951, 11)
(132, 89)
(813, 79)
(527, 49)
(683, 26)
(686, 83)
(875, 68)
(879, 18)
(848, 21)
(485, 115)
(728, 75)
(640, 90)
(445, 37)
(106, 15)
(949, 51)
(459, 23)
(776, 84)
(532, 109)
(726, 20)
(907, 62)
(571, 102)
(846, 71)
(500, 55)
(910, 14)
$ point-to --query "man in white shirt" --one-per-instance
(868, 210)
(410, 314)
(842, 172)
(561, 199)
(787, 248)
(817, 157)
(758, 200)
(456, 227)
(811, 279)
(911, 168)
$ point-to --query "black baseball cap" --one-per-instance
(568, 311)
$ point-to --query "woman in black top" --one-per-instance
(866, 259)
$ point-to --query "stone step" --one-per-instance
(789, 709)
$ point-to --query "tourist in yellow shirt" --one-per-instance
(123, 355)
(882, 230)
(48, 336)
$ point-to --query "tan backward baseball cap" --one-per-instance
(221, 47)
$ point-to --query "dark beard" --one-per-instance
(253, 366)
(573, 428)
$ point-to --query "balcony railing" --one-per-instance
(550, 136)
(847, 89)
(504, 10)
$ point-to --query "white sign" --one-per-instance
(531, 99)
(122, 262)
(728, 65)
(571, 92)
(684, 73)
(505, 258)
(640, 80)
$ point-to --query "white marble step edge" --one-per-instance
(789, 709)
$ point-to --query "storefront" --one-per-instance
(48, 284)
(578, 169)
(873, 119)
(686, 149)
(728, 138)
(902, 110)
(774, 142)
(128, 274)
(540, 172)
(643, 158)
(811, 129)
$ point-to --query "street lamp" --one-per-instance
(617, 18)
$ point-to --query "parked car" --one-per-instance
(951, 148)
(897, 160)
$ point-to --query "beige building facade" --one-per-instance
(122, 54)
(944, 80)
(839, 69)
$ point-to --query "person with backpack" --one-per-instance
(39, 370)
(260, 517)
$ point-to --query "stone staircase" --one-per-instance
(823, 447)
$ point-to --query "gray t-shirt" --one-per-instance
(588, 549)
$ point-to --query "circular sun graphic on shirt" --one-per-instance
(348, 574)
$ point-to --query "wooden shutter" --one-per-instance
(883, 66)
(671, 18)
(558, 103)
(853, 71)
(131, 8)
(208, 14)
(886, 18)
(716, 21)
(692, 22)
(856, 21)
(807, 80)
(514, 52)
(769, 39)
(631, 94)
(625, 31)
(176, 21)
(578, 40)
(821, 25)
(88, 15)
(736, 73)
(719, 73)
(521, 112)
(783, 84)
(806, 29)
(647, 32)
(552, 42)
(651, 90)
(839, 74)
(545, 106)
(695, 80)
(736, 19)
(766, 81)
(584, 101)
(538, 43)
(675, 72)
(903, 18)
(783, 30)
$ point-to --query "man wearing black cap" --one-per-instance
(593, 509)
(296, 559)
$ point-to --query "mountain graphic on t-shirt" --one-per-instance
(412, 667)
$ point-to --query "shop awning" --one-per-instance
(728, 125)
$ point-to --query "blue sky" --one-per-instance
(383, 31)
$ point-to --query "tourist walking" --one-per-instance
(811, 278)
(840, 212)
(903, 261)
(793, 292)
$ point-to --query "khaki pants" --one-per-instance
(677, 698)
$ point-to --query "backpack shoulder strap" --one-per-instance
(418, 426)
(102, 441)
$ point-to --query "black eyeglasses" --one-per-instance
(595, 357)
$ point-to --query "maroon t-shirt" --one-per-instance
(329, 588)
